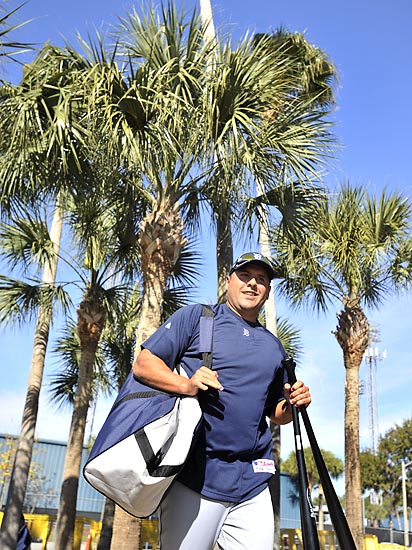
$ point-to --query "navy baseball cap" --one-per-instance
(254, 258)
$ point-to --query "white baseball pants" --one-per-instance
(189, 521)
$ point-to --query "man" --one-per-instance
(23, 536)
(222, 494)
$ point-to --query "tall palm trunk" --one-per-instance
(271, 325)
(352, 334)
(224, 252)
(206, 14)
(107, 525)
(160, 242)
(21, 467)
(222, 214)
(91, 321)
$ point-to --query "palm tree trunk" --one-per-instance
(353, 488)
(91, 321)
(206, 15)
(224, 241)
(271, 325)
(224, 253)
(21, 467)
(160, 243)
(352, 333)
(107, 525)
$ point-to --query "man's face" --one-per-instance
(247, 290)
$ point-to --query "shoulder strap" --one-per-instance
(206, 335)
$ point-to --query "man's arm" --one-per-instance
(152, 370)
(297, 395)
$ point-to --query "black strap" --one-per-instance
(153, 461)
(205, 347)
(206, 335)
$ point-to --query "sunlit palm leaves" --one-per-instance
(356, 251)
(9, 47)
(41, 134)
(63, 381)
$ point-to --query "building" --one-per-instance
(43, 489)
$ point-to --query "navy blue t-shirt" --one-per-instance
(231, 458)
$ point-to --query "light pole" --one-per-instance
(372, 356)
(405, 505)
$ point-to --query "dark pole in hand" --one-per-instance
(337, 516)
(307, 514)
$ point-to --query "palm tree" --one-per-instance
(157, 120)
(113, 359)
(98, 247)
(174, 122)
(264, 134)
(358, 252)
(16, 305)
(41, 143)
(292, 77)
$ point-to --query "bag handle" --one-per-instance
(205, 347)
(206, 335)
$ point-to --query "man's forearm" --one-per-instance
(151, 370)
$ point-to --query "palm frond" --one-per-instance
(187, 267)
(9, 47)
(118, 349)
(290, 336)
(20, 301)
(63, 382)
(355, 249)
(26, 242)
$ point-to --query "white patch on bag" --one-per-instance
(263, 465)
(121, 472)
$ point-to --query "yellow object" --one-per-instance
(41, 526)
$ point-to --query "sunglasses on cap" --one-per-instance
(256, 258)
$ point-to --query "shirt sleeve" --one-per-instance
(171, 340)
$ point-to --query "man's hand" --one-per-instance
(203, 379)
(298, 394)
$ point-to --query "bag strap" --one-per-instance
(205, 347)
(206, 335)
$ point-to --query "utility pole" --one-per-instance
(405, 505)
(372, 356)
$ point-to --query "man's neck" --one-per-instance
(251, 317)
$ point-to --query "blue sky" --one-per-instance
(369, 42)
